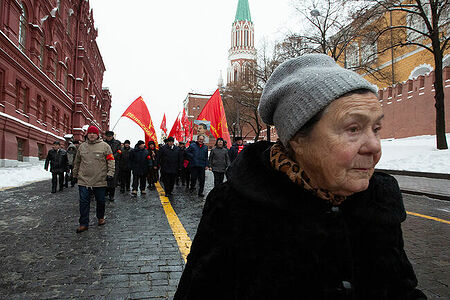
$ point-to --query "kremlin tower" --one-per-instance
(242, 54)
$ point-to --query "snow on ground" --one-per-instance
(24, 174)
(417, 153)
(413, 154)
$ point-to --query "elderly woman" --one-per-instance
(307, 217)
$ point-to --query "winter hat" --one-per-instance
(170, 139)
(301, 87)
(109, 133)
(127, 142)
(93, 129)
(140, 143)
(56, 143)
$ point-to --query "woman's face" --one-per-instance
(220, 144)
(343, 147)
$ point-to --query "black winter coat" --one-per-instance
(263, 237)
(115, 147)
(139, 161)
(170, 159)
(58, 161)
(124, 159)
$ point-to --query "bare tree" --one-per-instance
(425, 24)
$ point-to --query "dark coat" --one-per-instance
(153, 161)
(219, 160)
(263, 237)
(115, 148)
(124, 159)
(139, 161)
(233, 152)
(170, 159)
(58, 161)
(198, 155)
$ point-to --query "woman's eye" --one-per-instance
(377, 129)
(353, 129)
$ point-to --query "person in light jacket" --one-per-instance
(93, 170)
(219, 161)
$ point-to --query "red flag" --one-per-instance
(186, 124)
(215, 113)
(138, 112)
(163, 125)
(174, 132)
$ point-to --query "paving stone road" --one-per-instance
(135, 256)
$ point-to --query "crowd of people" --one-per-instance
(100, 166)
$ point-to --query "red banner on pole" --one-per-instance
(176, 128)
(163, 125)
(138, 113)
(215, 113)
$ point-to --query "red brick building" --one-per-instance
(51, 75)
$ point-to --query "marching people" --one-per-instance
(71, 152)
(139, 165)
(124, 167)
(306, 217)
(179, 178)
(93, 170)
(198, 155)
(152, 176)
(237, 147)
(233, 152)
(115, 148)
(170, 160)
(57, 158)
(219, 161)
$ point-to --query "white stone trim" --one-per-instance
(30, 125)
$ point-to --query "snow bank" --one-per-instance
(24, 174)
(417, 153)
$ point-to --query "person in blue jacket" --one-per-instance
(198, 154)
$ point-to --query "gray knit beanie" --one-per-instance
(301, 87)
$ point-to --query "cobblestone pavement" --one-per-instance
(135, 256)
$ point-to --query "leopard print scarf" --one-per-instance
(280, 161)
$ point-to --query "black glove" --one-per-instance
(75, 180)
(110, 182)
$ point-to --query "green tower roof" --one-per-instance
(243, 11)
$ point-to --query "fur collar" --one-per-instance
(255, 179)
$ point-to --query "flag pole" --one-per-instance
(116, 124)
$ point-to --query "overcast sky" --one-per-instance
(161, 50)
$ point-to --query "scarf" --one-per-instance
(280, 161)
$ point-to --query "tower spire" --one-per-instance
(243, 11)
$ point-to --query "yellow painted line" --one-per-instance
(180, 234)
(427, 217)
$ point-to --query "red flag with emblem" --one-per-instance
(186, 124)
(215, 113)
(138, 113)
(176, 128)
(163, 124)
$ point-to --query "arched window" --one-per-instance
(421, 70)
(23, 27)
(235, 75)
(42, 53)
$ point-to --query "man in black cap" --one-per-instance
(171, 161)
(57, 158)
(115, 148)
(124, 166)
(233, 152)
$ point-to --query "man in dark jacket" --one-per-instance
(71, 150)
(233, 152)
(124, 167)
(152, 176)
(115, 148)
(57, 158)
(139, 166)
(170, 160)
(198, 154)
